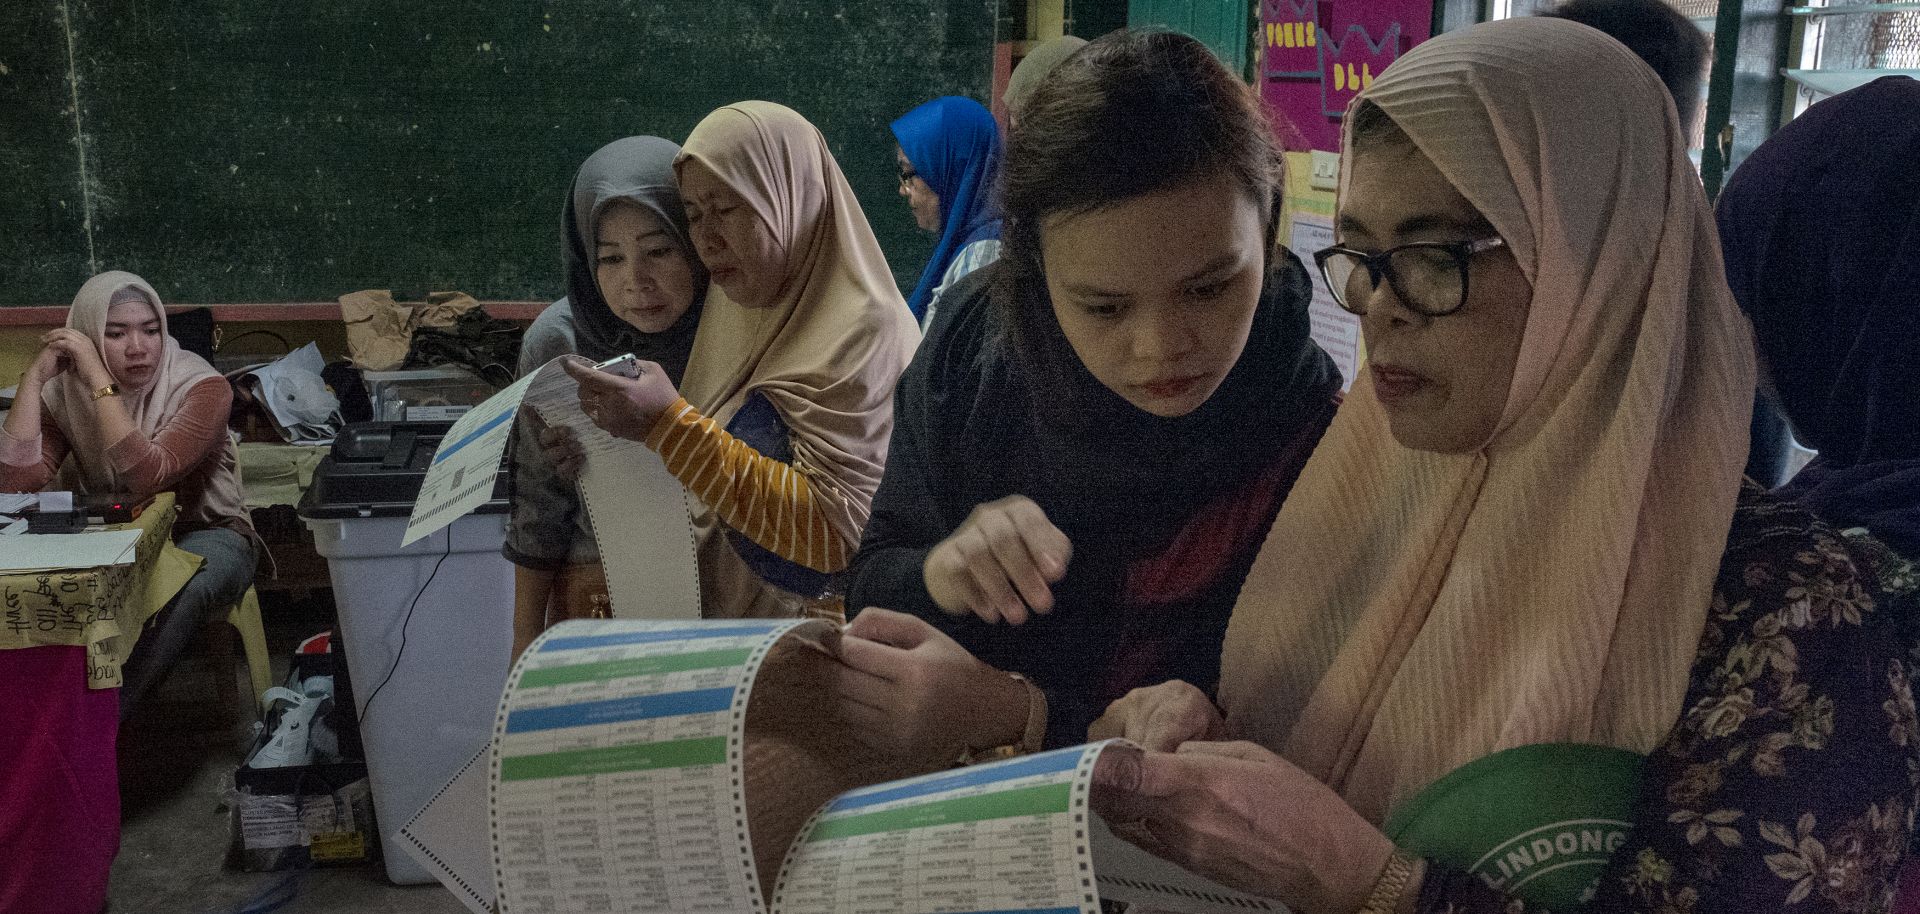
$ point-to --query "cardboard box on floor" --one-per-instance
(305, 815)
(289, 818)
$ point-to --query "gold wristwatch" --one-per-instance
(1392, 885)
(1030, 737)
(111, 390)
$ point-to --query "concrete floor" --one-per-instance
(173, 844)
(174, 834)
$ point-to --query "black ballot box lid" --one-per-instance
(375, 470)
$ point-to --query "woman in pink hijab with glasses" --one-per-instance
(1530, 644)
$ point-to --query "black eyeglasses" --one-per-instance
(907, 174)
(1429, 277)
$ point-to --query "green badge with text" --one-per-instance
(1537, 822)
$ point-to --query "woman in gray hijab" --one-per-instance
(634, 285)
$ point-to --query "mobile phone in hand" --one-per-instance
(626, 366)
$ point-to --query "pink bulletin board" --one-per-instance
(1317, 54)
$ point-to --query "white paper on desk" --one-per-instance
(632, 502)
(56, 501)
(14, 504)
(448, 837)
(39, 551)
(12, 527)
(1334, 328)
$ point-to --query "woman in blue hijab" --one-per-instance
(949, 150)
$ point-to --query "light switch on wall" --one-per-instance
(1326, 171)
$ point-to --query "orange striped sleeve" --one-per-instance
(769, 502)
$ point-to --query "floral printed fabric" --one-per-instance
(1788, 784)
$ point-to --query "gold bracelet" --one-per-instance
(1031, 735)
(1036, 731)
(1392, 884)
(111, 390)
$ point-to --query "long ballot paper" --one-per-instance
(658, 766)
(637, 509)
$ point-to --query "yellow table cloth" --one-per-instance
(101, 609)
(277, 474)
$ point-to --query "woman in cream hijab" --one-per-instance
(780, 425)
(1530, 643)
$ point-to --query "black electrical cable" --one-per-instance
(367, 709)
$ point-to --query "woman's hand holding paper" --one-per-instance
(1160, 718)
(1246, 818)
(907, 689)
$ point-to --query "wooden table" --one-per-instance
(99, 609)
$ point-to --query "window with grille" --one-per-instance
(1850, 48)
(1895, 44)
(1700, 11)
(1507, 9)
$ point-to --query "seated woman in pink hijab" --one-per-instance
(112, 404)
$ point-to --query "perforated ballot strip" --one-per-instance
(1009, 837)
(617, 783)
(1012, 837)
(638, 511)
(447, 837)
(632, 502)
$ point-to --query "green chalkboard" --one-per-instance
(1222, 26)
(43, 244)
(279, 150)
